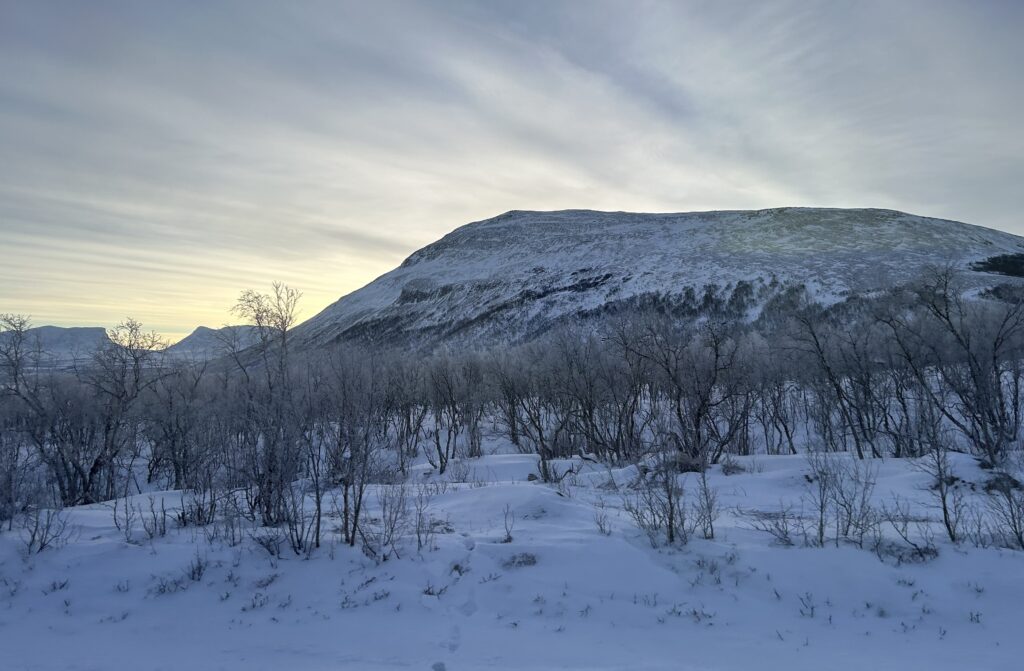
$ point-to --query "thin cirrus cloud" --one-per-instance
(157, 158)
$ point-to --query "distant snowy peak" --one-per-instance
(208, 343)
(517, 274)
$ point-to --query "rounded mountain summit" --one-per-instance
(519, 274)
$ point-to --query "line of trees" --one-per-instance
(270, 432)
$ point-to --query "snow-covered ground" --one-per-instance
(560, 595)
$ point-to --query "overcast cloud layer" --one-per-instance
(157, 158)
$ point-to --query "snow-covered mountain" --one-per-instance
(515, 275)
(207, 343)
(60, 346)
(63, 346)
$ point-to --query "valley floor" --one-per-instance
(560, 595)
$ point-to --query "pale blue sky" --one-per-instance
(157, 158)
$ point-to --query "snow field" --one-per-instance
(560, 595)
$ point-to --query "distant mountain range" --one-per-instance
(64, 346)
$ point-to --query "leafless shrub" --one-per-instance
(266, 581)
(807, 605)
(477, 481)
(56, 586)
(458, 471)
(948, 495)
(431, 590)
(1006, 512)
(256, 601)
(782, 525)
(838, 493)
(706, 510)
(155, 523)
(125, 515)
(300, 523)
(382, 536)
(730, 466)
(44, 528)
(566, 485)
(197, 567)
(437, 487)
(271, 540)
(423, 524)
(914, 531)
(852, 487)
(977, 528)
(164, 585)
(510, 523)
(230, 526)
(818, 495)
(198, 507)
(601, 519)
(657, 508)
(520, 560)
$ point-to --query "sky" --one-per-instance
(157, 158)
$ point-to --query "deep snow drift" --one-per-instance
(561, 594)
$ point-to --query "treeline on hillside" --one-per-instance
(271, 431)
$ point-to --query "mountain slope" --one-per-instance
(207, 343)
(517, 274)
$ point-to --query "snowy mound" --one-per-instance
(517, 274)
